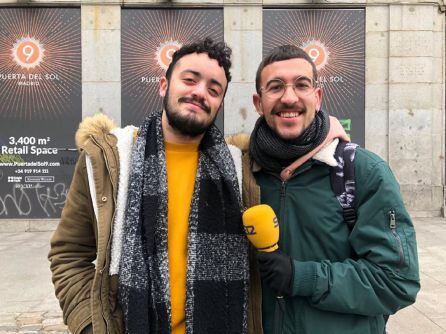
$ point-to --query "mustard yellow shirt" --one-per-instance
(182, 163)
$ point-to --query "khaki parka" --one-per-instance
(86, 292)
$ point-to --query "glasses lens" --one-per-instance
(303, 86)
(275, 89)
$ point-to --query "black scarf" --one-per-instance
(273, 153)
(217, 259)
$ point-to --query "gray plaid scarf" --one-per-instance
(217, 259)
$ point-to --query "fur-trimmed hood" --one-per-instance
(96, 125)
(241, 141)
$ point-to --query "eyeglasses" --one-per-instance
(302, 86)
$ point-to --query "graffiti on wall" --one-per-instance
(40, 90)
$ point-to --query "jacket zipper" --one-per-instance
(101, 271)
(392, 224)
(282, 209)
(282, 199)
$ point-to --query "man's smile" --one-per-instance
(289, 112)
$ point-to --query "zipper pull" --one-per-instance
(282, 189)
(392, 219)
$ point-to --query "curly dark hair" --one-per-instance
(215, 50)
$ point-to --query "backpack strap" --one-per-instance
(342, 178)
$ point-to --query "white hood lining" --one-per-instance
(124, 145)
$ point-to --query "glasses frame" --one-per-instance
(313, 84)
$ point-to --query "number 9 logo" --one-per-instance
(27, 52)
(318, 53)
(314, 54)
(165, 51)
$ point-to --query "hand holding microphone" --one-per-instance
(262, 229)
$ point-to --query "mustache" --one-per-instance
(277, 109)
(197, 101)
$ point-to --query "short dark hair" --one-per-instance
(215, 50)
(283, 52)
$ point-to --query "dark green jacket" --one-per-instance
(343, 282)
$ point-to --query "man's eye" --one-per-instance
(213, 92)
(189, 80)
(275, 88)
(302, 85)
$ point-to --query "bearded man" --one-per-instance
(161, 225)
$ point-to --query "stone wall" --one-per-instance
(405, 98)
(405, 54)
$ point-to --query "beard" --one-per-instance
(187, 125)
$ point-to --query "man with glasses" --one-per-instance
(324, 278)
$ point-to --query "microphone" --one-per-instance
(262, 227)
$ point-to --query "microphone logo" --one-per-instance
(262, 227)
(249, 230)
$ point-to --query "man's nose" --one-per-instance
(200, 90)
(289, 96)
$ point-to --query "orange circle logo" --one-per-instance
(165, 51)
(27, 52)
(318, 52)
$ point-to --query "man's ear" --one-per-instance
(257, 103)
(318, 93)
(163, 86)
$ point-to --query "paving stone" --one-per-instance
(59, 328)
(29, 331)
(7, 319)
(412, 321)
(52, 321)
(54, 324)
(30, 315)
(31, 327)
(441, 322)
(29, 321)
(53, 314)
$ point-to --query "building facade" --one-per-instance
(404, 78)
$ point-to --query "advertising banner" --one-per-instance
(335, 40)
(40, 108)
(149, 39)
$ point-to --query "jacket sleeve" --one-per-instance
(383, 277)
(73, 250)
